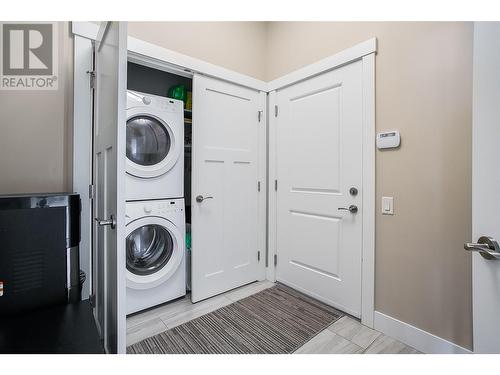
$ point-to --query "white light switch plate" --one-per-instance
(387, 206)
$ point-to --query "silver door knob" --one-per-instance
(352, 209)
(486, 246)
(201, 198)
(111, 222)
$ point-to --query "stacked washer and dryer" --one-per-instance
(155, 211)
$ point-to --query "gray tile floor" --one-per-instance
(346, 335)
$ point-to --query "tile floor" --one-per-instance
(346, 335)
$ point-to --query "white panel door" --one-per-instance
(109, 179)
(319, 160)
(486, 185)
(225, 195)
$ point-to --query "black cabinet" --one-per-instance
(39, 237)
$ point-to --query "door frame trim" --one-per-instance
(160, 58)
(343, 57)
(82, 149)
(355, 53)
(368, 209)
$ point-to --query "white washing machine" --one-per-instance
(155, 253)
(155, 147)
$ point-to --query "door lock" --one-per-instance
(111, 222)
(201, 198)
(352, 209)
(486, 246)
(353, 191)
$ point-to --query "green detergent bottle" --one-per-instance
(178, 92)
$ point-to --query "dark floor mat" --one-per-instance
(276, 320)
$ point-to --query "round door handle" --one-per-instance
(201, 198)
(352, 209)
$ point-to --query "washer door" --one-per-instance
(152, 147)
(153, 251)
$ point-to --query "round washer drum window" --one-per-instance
(149, 248)
(148, 141)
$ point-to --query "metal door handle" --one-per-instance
(111, 222)
(352, 209)
(201, 198)
(486, 246)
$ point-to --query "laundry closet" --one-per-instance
(221, 217)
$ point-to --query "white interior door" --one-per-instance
(486, 185)
(226, 201)
(319, 156)
(109, 179)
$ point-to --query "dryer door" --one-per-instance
(154, 250)
(152, 144)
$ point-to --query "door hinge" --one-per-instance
(275, 111)
(258, 256)
(92, 300)
(259, 115)
(91, 191)
(275, 185)
(92, 77)
(258, 185)
(275, 260)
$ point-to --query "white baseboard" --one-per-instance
(415, 337)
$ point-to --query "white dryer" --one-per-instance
(155, 253)
(155, 147)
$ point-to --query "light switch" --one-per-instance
(387, 206)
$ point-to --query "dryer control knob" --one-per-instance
(148, 208)
(146, 100)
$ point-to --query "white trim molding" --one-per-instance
(158, 57)
(142, 50)
(368, 206)
(415, 337)
(271, 192)
(82, 150)
(343, 57)
(262, 187)
(87, 30)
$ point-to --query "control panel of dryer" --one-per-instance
(138, 99)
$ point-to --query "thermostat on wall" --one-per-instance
(390, 139)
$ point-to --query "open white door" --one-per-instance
(228, 123)
(486, 188)
(109, 180)
(319, 169)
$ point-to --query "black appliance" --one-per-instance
(39, 255)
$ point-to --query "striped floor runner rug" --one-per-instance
(277, 320)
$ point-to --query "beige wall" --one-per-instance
(35, 132)
(238, 46)
(424, 89)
